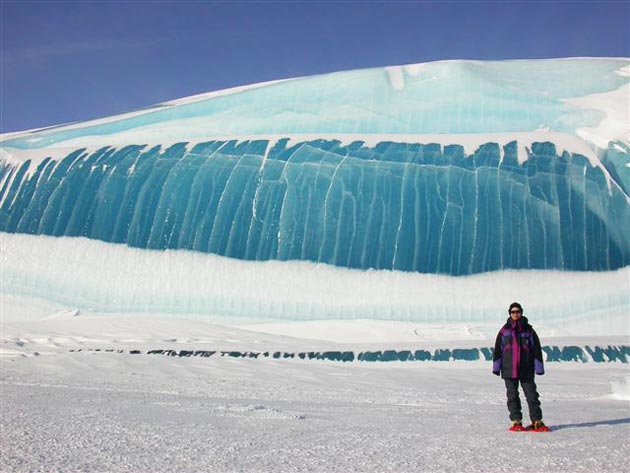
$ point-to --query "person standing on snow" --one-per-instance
(517, 358)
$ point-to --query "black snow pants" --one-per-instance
(514, 401)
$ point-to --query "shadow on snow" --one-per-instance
(598, 423)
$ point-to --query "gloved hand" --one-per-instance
(539, 368)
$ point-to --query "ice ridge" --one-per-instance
(579, 96)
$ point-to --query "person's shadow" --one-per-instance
(592, 424)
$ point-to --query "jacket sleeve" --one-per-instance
(497, 355)
(539, 366)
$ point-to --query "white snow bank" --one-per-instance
(616, 122)
(90, 275)
(380, 331)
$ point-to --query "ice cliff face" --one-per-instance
(455, 167)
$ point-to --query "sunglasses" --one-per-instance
(515, 312)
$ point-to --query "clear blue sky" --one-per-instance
(74, 61)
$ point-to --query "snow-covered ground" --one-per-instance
(73, 396)
(66, 410)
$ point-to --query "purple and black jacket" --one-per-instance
(517, 351)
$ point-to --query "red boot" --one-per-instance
(537, 426)
(517, 426)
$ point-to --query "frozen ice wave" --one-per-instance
(451, 168)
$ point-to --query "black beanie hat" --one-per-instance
(517, 305)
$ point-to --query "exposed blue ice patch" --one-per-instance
(569, 353)
(411, 207)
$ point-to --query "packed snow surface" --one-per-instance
(66, 410)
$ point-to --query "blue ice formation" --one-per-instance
(569, 353)
(399, 204)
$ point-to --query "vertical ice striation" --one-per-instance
(413, 207)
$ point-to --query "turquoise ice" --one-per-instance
(245, 180)
(442, 97)
(398, 206)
